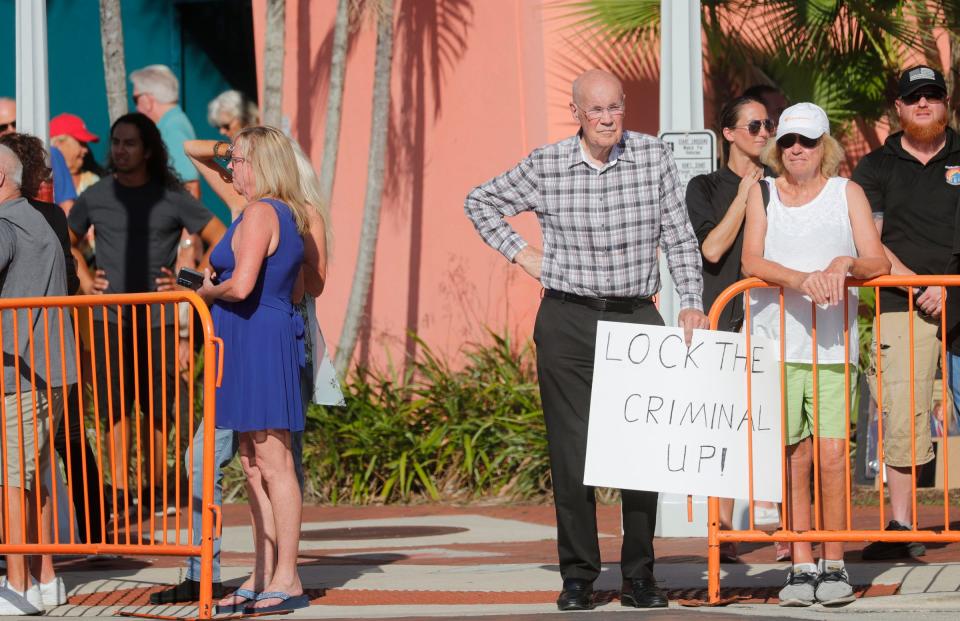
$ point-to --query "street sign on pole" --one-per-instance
(695, 152)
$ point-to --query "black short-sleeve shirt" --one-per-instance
(918, 203)
(137, 229)
(708, 199)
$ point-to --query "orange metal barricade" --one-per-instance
(786, 533)
(121, 346)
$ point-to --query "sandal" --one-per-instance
(288, 602)
(238, 606)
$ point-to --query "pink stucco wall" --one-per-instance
(476, 85)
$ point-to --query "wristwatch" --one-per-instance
(186, 243)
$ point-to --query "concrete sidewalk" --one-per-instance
(463, 561)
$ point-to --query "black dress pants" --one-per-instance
(565, 335)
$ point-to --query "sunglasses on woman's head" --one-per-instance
(787, 141)
(754, 126)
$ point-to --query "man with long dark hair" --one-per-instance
(137, 212)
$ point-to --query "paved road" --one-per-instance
(499, 562)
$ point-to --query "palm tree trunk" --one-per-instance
(114, 63)
(360, 289)
(273, 51)
(338, 67)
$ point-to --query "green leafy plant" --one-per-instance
(432, 432)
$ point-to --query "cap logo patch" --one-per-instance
(922, 73)
(953, 175)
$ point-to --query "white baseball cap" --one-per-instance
(806, 119)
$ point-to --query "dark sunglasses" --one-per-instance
(933, 95)
(787, 141)
(5, 126)
(754, 126)
(224, 126)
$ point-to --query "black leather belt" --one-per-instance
(616, 305)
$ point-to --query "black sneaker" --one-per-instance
(887, 550)
(186, 591)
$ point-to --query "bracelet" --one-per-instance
(216, 149)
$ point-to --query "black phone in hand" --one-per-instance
(191, 279)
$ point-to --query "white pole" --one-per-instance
(681, 100)
(33, 99)
(681, 109)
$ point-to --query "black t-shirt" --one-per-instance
(57, 220)
(708, 199)
(919, 206)
(137, 230)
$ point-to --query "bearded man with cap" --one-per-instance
(913, 186)
(69, 134)
(814, 231)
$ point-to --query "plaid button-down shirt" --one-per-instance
(601, 228)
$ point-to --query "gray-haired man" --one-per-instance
(35, 382)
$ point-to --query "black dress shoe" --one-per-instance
(642, 593)
(577, 594)
(186, 591)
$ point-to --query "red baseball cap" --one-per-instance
(71, 125)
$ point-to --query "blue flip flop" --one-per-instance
(289, 602)
(247, 595)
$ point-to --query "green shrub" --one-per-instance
(431, 432)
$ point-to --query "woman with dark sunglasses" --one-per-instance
(717, 203)
(815, 231)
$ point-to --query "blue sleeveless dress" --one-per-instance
(263, 349)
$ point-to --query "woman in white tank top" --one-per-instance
(816, 231)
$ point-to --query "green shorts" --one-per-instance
(831, 403)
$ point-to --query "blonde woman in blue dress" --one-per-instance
(260, 266)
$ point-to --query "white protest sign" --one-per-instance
(664, 417)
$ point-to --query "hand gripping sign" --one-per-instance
(668, 418)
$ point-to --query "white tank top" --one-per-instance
(807, 238)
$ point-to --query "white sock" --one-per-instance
(827, 564)
(800, 568)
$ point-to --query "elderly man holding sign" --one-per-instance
(606, 199)
(812, 231)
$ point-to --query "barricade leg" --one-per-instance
(713, 549)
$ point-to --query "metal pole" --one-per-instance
(681, 109)
(33, 98)
(681, 100)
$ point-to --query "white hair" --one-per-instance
(12, 166)
(234, 105)
(158, 81)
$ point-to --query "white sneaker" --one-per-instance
(15, 603)
(53, 593)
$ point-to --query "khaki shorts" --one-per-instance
(895, 355)
(36, 444)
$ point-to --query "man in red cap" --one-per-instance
(70, 135)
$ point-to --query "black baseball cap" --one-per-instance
(918, 77)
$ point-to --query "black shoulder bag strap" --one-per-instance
(765, 193)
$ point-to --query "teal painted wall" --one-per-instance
(207, 44)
